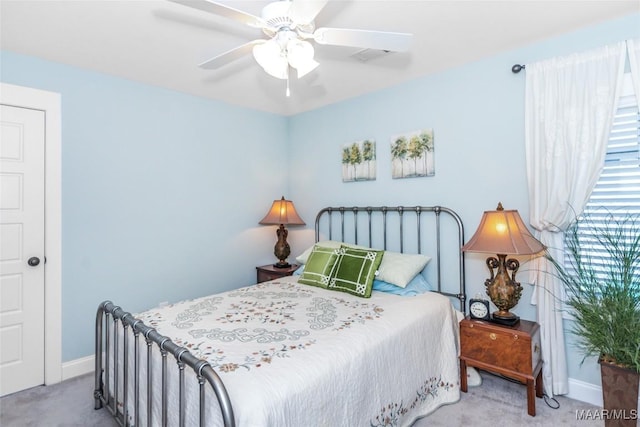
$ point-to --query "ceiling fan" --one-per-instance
(289, 24)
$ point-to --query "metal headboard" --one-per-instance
(349, 224)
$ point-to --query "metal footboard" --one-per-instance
(112, 326)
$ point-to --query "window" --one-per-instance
(617, 192)
(618, 188)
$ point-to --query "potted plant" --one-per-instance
(601, 276)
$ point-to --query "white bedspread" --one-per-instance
(296, 355)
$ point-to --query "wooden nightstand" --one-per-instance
(512, 351)
(269, 272)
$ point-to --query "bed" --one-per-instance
(299, 351)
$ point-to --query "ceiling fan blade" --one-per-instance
(230, 55)
(223, 10)
(305, 11)
(382, 40)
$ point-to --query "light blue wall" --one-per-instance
(477, 114)
(161, 192)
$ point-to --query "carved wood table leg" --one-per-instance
(463, 375)
(531, 398)
(539, 384)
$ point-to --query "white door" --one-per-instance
(22, 144)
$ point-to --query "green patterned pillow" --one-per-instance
(355, 270)
(319, 266)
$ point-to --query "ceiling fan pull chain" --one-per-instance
(288, 92)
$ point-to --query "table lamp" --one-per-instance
(502, 232)
(282, 213)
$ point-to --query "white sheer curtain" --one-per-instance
(633, 47)
(569, 109)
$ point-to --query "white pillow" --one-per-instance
(333, 244)
(399, 269)
(396, 268)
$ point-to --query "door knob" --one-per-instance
(33, 261)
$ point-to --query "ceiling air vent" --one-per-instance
(365, 55)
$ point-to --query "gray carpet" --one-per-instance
(67, 404)
(495, 402)
(500, 402)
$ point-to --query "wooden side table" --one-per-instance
(512, 351)
(269, 272)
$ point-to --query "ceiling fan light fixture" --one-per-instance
(270, 57)
(289, 24)
(306, 68)
(300, 55)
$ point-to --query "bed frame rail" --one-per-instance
(354, 221)
(117, 331)
(112, 324)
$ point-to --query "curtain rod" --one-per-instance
(517, 68)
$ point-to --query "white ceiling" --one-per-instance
(161, 43)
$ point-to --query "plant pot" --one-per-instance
(620, 395)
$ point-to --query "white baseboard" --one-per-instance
(77, 367)
(585, 392)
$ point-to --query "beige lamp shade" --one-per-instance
(282, 212)
(503, 232)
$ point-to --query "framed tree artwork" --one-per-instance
(412, 154)
(359, 161)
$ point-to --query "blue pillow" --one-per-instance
(418, 285)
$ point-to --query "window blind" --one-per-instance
(617, 192)
(619, 185)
